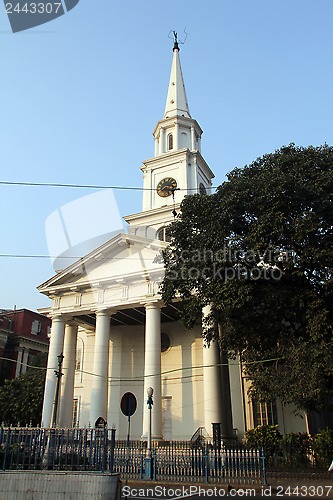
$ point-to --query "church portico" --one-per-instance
(127, 357)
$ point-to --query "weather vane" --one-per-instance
(176, 42)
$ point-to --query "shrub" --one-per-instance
(296, 449)
(323, 448)
(263, 435)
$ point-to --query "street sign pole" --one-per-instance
(128, 406)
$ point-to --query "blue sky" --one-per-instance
(81, 95)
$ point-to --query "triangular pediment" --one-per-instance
(124, 258)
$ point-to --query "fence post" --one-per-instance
(154, 465)
(264, 472)
(105, 448)
(113, 443)
(141, 466)
(6, 448)
(207, 464)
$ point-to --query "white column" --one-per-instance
(56, 348)
(152, 373)
(99, 390)
(156, 147)
(67, 381)
(176, 141)
(212, 386)
(192, 138)
(25, 361)
(162, 141)
(227, 421)
(19, 362)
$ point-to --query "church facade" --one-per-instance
(116, 334)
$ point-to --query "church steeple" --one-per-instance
(177, 168)
(177, 130)
(176, 103)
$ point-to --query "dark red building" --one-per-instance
(23, 335)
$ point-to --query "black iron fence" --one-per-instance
(97, 450)
(56, 449)
(177, 460)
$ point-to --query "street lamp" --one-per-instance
(149, 458)
(58, 374)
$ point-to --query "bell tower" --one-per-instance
(177, 168)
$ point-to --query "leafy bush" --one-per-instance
(296, 449)
(323, 447)
(263, 435)
(267, 437)
(293, 451)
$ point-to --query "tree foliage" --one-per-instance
(21, 399)
(260, 252)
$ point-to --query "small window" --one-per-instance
(36, 327)
(163, 234)
(170, 141)
(79, 360)
(75, 415)
(184, 142)
(79, 354)
(165, 342)
(264, 413)
(202, 188)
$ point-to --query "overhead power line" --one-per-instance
(165, 372)
(55, 184)
(87, 186)
(60, 257)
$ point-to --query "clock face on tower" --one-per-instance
(166, 187)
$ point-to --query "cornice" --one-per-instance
(20, 340)
(165, 210)
(169, 121)
(161, 158)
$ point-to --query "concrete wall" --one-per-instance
(31, 485)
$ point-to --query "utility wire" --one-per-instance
(87, 186)
(141, 378)
(36, 256)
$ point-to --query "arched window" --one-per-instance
(170, 141)
(165, 342)
(184, 141)
(79, 359)
(163, 234)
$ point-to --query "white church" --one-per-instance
(116, 334)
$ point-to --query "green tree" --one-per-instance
(260, 252)
(21, 399)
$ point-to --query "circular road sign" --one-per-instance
(128, 404)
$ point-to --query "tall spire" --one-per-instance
(176, 103)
